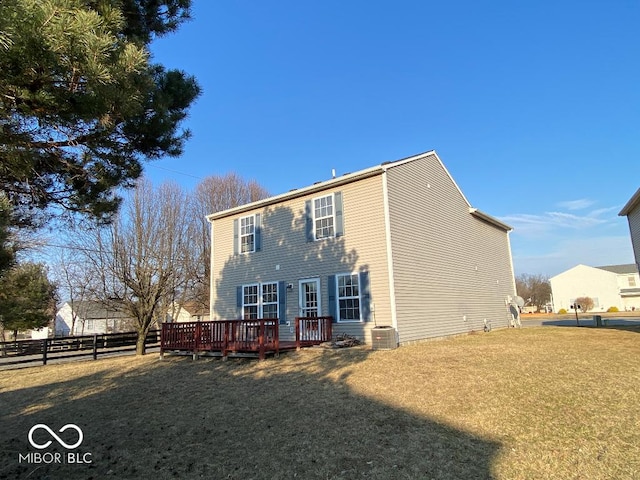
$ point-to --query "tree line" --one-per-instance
(151, 259)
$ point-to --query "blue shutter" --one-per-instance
(365, 297)
(258, 232)
(282, 302)
(333, 311)
(339, 226)
(236, 229)
(239, 301)
(308, 221)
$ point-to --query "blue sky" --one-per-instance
(534, 107)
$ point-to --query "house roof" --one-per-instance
(92, 309)
(350, 178)
(631, 204)
(627, 268)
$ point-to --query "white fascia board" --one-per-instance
(631, 204)
(490, 219)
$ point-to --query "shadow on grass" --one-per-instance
(607, 323)
(282, 418)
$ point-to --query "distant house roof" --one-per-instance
(627, 268)
(631, 204)
(349, 178)
(95, 310)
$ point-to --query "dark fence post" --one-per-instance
(95, 346)
(45, 347)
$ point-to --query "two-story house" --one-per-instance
(394, 245)
(608, 286)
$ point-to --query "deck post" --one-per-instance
(297, 333)
(261, 354)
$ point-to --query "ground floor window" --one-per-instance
(348, 297)
(260, 300)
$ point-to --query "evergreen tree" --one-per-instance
(81, 105)
(27, 298)
(7, 246)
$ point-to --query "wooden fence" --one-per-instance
(56, 348)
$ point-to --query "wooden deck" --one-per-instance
(254, 337)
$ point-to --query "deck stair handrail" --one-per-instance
(313, 330)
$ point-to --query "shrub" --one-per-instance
(585, 303)
(562, 311)
(612, 309)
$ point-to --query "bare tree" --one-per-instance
(215, 194)
(535, 289)
(140, 259)
(75, 282)
(584, 303)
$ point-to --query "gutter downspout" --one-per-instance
(387, 230)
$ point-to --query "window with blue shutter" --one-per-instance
(282, 303)
(258, 232)
(247, 234)
(262, 300)
(331, 295)
(352, 301)
(324, 217)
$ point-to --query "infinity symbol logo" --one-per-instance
(52, 433)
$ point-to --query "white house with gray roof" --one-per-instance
(609, 286)
(394, 245)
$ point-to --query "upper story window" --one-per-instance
(247, 234)
(632, 281)
(324, 217)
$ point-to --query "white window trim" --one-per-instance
(261, 303)
(240, 235)
(333, 216)
(339, 320)
(244, 305)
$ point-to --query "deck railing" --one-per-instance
(242, 336)
(313, 330)
(246, 336)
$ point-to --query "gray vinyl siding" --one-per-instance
(451, 269)
(634, 227)
(287, 256)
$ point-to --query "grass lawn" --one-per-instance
(533, 403)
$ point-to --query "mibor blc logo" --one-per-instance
(69, 442)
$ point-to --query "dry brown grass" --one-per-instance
(548, 403)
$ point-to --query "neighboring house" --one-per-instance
(632, 211)
(189, 312)
(609, 286)
(91, 317)
(394, 245)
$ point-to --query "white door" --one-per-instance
(310, 297)
(310, 307)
